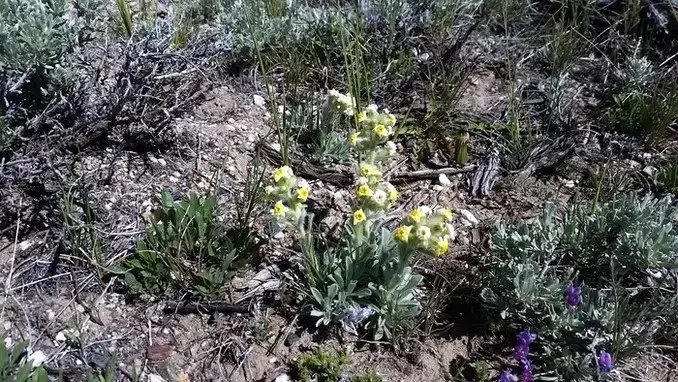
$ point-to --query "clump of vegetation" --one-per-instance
(35, 40)
(18, 364)
(185, 250)
(645, 103)
(321, 366)
(668, 177)
(367, 280)
(570, 285)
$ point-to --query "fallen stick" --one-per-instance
(430, 174)
(191, 307)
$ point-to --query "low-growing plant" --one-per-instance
(593, 281)
(365, 280)
(668, 177)
(644, 103)
(319, 134)
(321, 366)
(185, 250)
(18, 364)
(368, 376)
(83, 238)
(36, 37)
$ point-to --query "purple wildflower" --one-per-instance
(506, 376)
(527, 374)
(573, 296)
(605, 363)
(522, 349)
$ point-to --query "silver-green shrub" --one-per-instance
(622, 256)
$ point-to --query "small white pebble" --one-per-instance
(162, 162)
(444, 180)
(468, 216)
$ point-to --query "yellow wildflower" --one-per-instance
(364, 191)
(392, 193)
(361, 116)
(379, 198)
(447, 214)
(380, 131)
(279, 209)
(441, 247)
(183, 377)
(302, 193)
(423, 233)
(402, 233)
(416, 215)
(353, 138)
(359, 217)
(282, 173)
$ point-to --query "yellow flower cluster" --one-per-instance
(289, 193)
(427, 229)
(372, 142)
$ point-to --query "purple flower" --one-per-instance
(526, 375)
(522, 349)
(525, 338)
(573, 296)
(506, 376)
(605, 363)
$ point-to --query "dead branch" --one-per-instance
(211, 307)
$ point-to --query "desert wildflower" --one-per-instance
(416, 215)
(279, 209)
(359, 217)
(441, 247)
(281, 173)
(423, 233)
(506, 376)
(447, 214)
(605, 362)
(361, 116)
(364, 191)
(302, 194)
(379, 198)
(527, 374)
(392, 192)
(353, 138)
(522, 349)
(402, 233)
(380, 131)
(573, 296)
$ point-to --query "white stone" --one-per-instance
(24, 245)
(279, 236)
(259, 100)
(155, 378)
(60, 337)
(37, 358)
(173, 179)
(283, 378)
(649, 170)
(444, 180)
(468, 216)
(162, 162)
